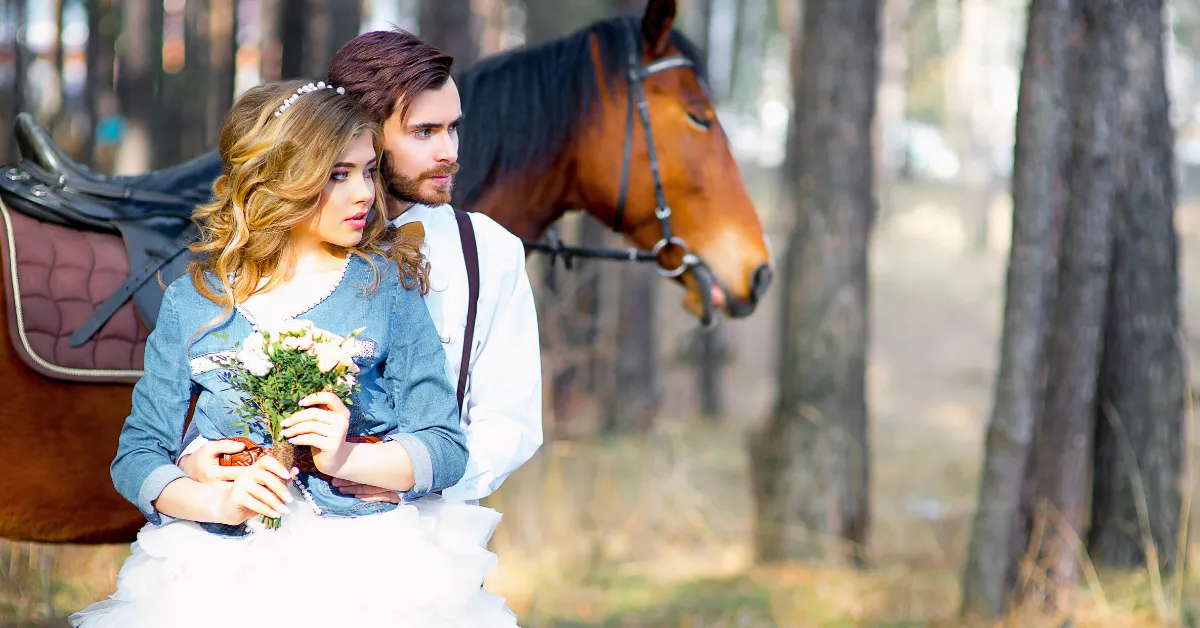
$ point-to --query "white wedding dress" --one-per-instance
(420, 565)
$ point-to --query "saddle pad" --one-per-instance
(54, 278)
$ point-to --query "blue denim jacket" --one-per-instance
(404, 397)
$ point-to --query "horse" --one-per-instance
(545, 129)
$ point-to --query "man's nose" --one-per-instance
(447, 149)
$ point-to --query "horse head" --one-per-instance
(698, 181)
(563, 126)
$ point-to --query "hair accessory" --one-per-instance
(305, 89)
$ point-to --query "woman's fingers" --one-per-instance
(308, 414)
(275, 467)
(311, 427)
(322, 398)
(271, 482)
(266, 497)
(316, 441)
(251, 498)
(217, 473)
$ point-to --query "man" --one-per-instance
(407, 83)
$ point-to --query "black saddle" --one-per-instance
(151, 212)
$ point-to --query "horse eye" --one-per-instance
(699, 121)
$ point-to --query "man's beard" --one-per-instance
(408, 189)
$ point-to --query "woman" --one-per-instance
(295, 233)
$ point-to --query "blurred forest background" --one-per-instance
(1009, 435)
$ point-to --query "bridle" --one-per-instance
(635, 73)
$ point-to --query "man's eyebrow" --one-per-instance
(420, 126)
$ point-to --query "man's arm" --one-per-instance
(504, 391)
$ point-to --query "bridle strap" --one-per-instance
(619, 220)
(636, 105)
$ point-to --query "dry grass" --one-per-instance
(653, 531)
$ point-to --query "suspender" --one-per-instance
(466, 233)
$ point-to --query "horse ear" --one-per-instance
(656, 24)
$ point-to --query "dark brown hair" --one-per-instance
(383, 68)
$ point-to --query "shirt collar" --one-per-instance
(414, 213)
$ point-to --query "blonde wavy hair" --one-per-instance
(275, 168)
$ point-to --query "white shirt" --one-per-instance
(502, 404)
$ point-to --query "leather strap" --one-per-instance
(126, 290)
(466, 233)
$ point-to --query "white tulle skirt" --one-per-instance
(420, 565)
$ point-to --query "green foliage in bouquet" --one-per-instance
(277, 367)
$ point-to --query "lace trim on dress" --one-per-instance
(253, 319)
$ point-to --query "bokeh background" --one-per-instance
(640, 510)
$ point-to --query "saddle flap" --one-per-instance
(54, 279)
(158, 255)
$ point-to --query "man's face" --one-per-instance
(421, 151)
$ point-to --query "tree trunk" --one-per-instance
(102, 31)
(21, 60)
(637, 395)
(1064, 442)
(344, 25)
(452, 26)
(709, 346)
(293, 36)
(223, 26)
(1140, 435)
(139, 82)
(1037, 188)
(811, 466)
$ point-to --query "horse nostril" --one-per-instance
(760, 281)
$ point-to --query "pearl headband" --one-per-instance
(305, 89)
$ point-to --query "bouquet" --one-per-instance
(277, 367)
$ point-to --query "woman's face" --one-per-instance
(348, 196)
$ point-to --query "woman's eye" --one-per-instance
(340, 175)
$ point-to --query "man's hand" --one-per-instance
(204, 465)
(366, 492)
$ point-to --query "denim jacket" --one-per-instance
(404, 394)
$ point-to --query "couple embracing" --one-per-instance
(333, 211)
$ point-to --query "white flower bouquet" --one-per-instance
(278, 366)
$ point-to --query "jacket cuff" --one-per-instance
(153, 486)
(422, 465)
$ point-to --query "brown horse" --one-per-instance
(547, 131)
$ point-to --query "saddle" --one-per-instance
(86, 258)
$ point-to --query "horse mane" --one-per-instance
(522, 106)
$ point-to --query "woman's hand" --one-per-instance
(322, 425)
(260, 489)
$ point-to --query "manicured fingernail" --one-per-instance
(295, 471)
(287, 498)
(285, 510)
